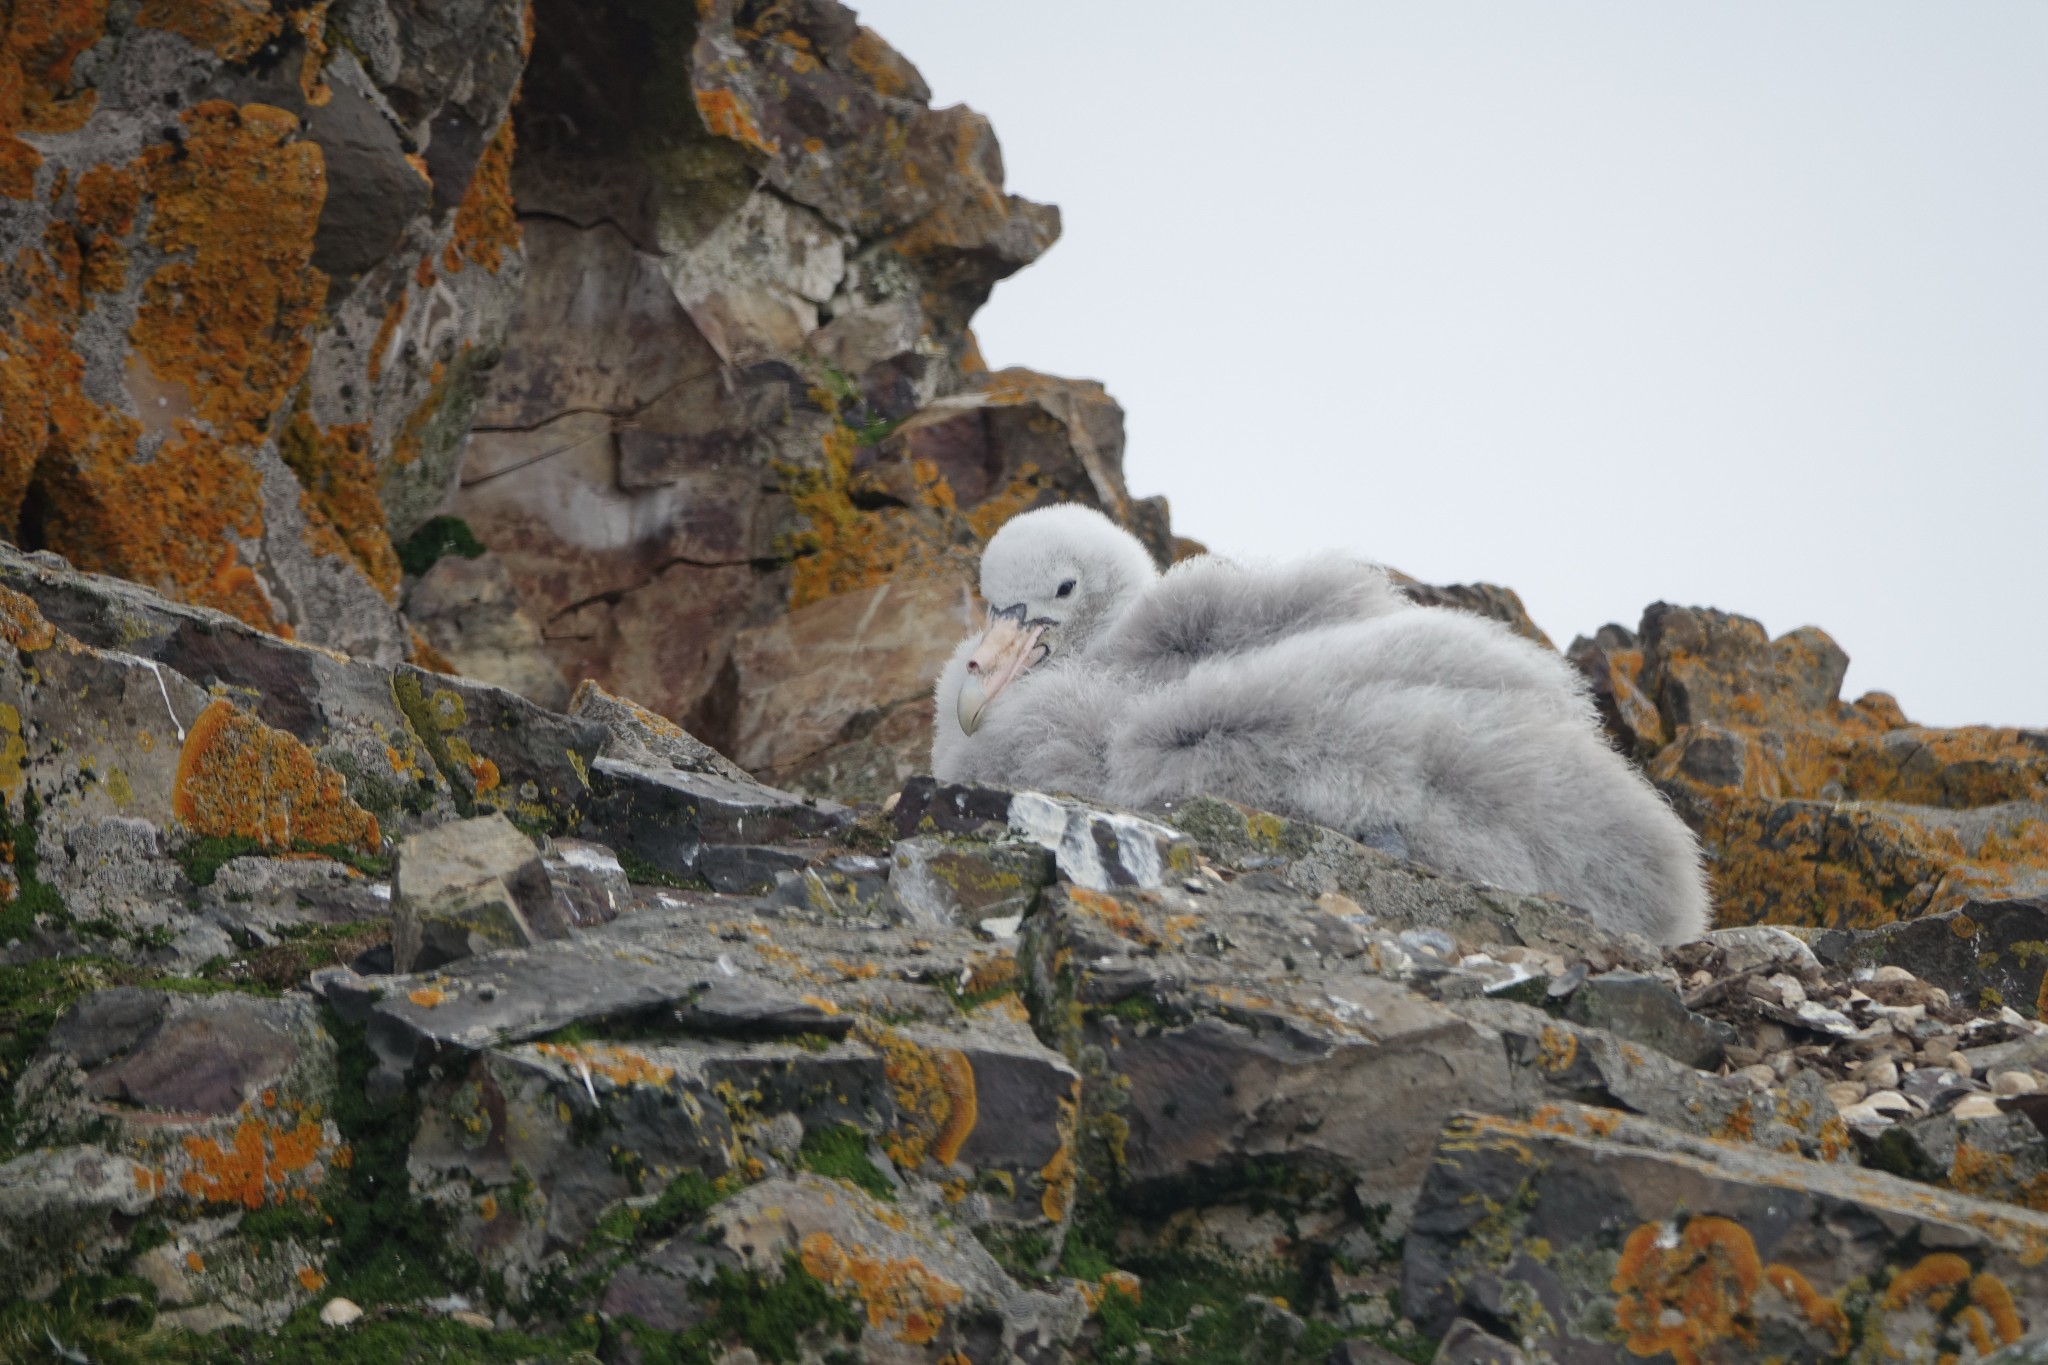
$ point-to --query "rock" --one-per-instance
(1399, 893)
(339, 1313)
(1813, 810)
(933, 1289)
(740, 450)
(1466, 1343)
(1587, 1219)
(640, 736)
(238, 264)
(966, 882)
(1645, 1010)
(1092, 846)
(64, 1210)
(670, 821)
(1759, 945)
(835, 696)
(467, 887)
(469, 611)
(1984, 953)
(589, 882)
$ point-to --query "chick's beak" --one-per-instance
(1007, 648)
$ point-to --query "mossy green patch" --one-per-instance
(203, 858)
(435, 541)
(35, 901)
(841, 1153)
(771, 1317)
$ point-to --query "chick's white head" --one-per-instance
(1053, 580)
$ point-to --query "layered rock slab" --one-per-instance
(1591, 1237)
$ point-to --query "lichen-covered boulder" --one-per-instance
(1592, 1237)
(909, 1291)
(1814, 810)
(250, 263)
(467, 887)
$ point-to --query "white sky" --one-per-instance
(1740, 304)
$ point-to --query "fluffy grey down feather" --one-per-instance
(1315, 690)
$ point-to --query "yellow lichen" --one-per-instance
(621, 1066)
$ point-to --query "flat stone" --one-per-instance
(589, 882)
(1587, 1230)
(1644, 1009)
(212, 1055)
(665, 817)
(106, 1024)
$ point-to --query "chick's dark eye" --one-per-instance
(1066, 589)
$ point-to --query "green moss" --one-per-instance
(644, 873)
(404, 1338)
(1141, 1009)
(81, 1324)
(34, 898)
(202, 858)
(439, 538)
(388, 1247)
(687, 1198)
(32, 997)
(771, 1317)
(841, 1153)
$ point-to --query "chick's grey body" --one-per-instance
(1317, 691)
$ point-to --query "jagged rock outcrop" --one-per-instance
(685, 1063)
(1814, 810)
(741, 450)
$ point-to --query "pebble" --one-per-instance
(1879, 1073)
(1842, 1094)
(339, 1313)
(1789, 990)
(472, 1319)
(2013, 1083)
(1938, 1051)
(1890, 973)
(1975, 1107)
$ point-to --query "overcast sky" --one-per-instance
(1737, 304)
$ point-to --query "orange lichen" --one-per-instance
(39, 42)
(486, 223)
(195, 1263)
(1556, 1050)
(621, 1066)
(338, 477)
(310, 1279)
(393, 316)
(936, 1107)
(897, 1289)
(427, 997)
(1934, 1278)
(220, 337)
(1062, 1174)
(725, 116)
(1124, 920)
(487, 1207)
(1990, 1296)
(257, 1165)
(238, 777)
(1819, 1310)
(311, 24)
(234, 29)
(21, 622)
(1682, 1291)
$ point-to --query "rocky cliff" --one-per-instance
(486, 483)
